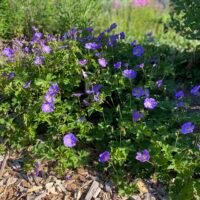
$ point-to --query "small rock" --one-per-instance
(108, 187)
(92, 190)
(135, 197)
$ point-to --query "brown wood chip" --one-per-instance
(141, 186)
(92, 190)
(4, 163)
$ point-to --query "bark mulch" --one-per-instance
(80, 184)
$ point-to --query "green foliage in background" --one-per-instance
(52, 16)
(135, 22)
(186, 18)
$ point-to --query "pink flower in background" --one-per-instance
(116, 4)
(140, 3)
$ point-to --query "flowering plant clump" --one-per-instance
(83, 98)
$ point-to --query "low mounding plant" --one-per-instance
(83, 99)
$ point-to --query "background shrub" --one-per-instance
(185, 18)
(18, 17)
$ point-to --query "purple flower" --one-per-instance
(11, 75)
(102, 62)
(72, 33)
(117, 65)
(104, 157)
(36, 169)
(37, 36)
(92, 46)
(70, 140)
(133, 43)
(112, 26)
(138, 92)
(138, 51)
(150, 103)
(95, 89)
(54, 89)
(27, 84)
(39, 60)
(187, 127)
(143, 156)
(141, 66)
(179, 94)
(47, 107)
(195, 90)
(68, 177)
(122, 35)
(26, 50)
(46, 49)
(50, 37)
(8, 52)
(129, 73)
(83, 62)
(89, 29)
(49, 98)
(159, 83)
(136, 115)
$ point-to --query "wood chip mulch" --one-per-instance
(81, 184)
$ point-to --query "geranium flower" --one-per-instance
(70, 140)
(104, 157)
(187, 127)
(143, 156)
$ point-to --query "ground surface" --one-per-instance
(81, 184)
